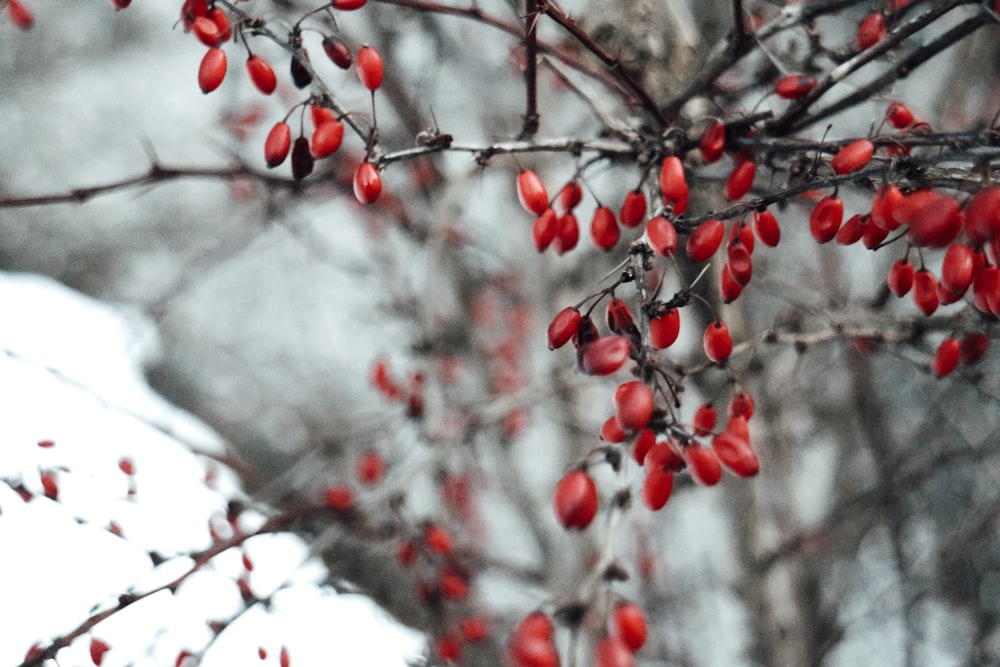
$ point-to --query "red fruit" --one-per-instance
(741, 233)
(98, 648)
(221, 22)
(643, 443)
(302, 159)
(739, 263)
(852, 231)
(986, 288)
(45, 444)
(126, 465)
(872, 235)
(740, 180)
(634, 405)
(611, 431)
(370, 467)
(50, 485)
(284, 660)
(568, 235)
(765, 227)
(662, 235)
(704, 419)
(612, 652)
(544, 229)
(871, 31)
(473, 629)
(367, 183)
(586, 332)
(729, 288)
(982, 215)
(337, 51)
(531, 644)
(633, 209)
(453, 584)
(277, 145)
(206, 30)
(883, 206)
(438, 540)
(973, 347)
(735, 453)
(619, 318)
(794, 86)
(741, 405)
(925, 291)
(705, 240)
(20, 15)
(530, 191)
(717, 343)
(604, 356)
(261, 74)
(713, 141)
(348, 5)
(448, 648)
(853, 156)
(958, 268)
(319, 115)
(825, 219)
(900, 278)
(212, 70)
(326, 139)
(663, 330)
(604, 230)
(673, 184)
(630, 624)
(339, 497)
(934, 219)
(946, 357)
(576, 500)
(656, 487)
(898, 115)
(703, 464)
(370, 69)
(570, 196)
(563, 326)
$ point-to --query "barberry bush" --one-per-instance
(572, 333)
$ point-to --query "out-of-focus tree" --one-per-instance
(762, 237)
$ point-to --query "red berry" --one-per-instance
(853, 156)
(946, 357)
(126, 465)
(643, 443)
(45, 444)
(852, 231)
(982, 215)
(740, 180)
(934, 219)
(370, 68)
(563, 326)
(794, 86)
(657, 487)
(604, 230)
(98, 648)
(611, 431)
(348, 5)
(705, 240)
(958, 268)
(673, 184)
(326, 139)
(544, 230)
(284, 659)
(474, 629)
(338, 497)
(367, 183)
(883, 207)
(713, 141)
(898, 115)
(212, 70)
(736, 454)
(20, 15)
(634, 405)
(604, 356)
(302, 159)
(277, 145)
(568, 235)
(663, 330)
(576, 500)
(570, 196)
(630, 624)
(703, 463)
(986, 288)
(662, 235)
(619, 318)
(717, 343)
(741, 405)
(739, 263)
(729, 288)
(925, 292)
(531, 192)
(50, 485)
(448, 648)
(825, 219)
(633, 209)
(973, 347)
(871, 31)
(370, 467)
(531, 644)
(704, 419)
(438, 540)
(765, 227)
(337, 51)
(206, 30)
(192, 10)
(221, 21)
(261, 74)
